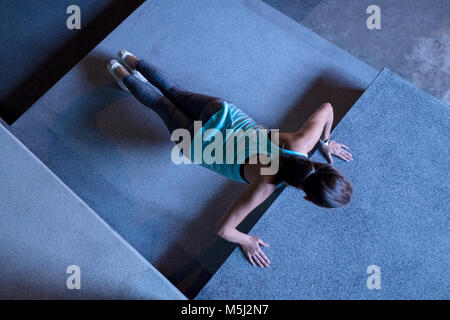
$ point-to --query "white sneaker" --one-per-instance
(113, 64)
(122, 55)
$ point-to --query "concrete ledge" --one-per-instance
(3, 123)
(46, 228)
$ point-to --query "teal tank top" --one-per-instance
(241, 138)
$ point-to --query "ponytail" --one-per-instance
(322, 183)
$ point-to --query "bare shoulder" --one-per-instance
(295, 141)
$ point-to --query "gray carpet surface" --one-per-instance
(398, 219)
(46, 228)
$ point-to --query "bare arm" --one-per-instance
(248, 200)
(318, 126)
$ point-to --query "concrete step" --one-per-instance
(46, 228)
(397, 220)
(312, 39)
(115, 153)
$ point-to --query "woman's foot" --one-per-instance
(119, 72)
(129, 60)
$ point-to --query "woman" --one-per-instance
(178, 108)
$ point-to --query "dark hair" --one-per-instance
(322, 183)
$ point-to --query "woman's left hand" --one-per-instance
(336, 149)
(253, 252)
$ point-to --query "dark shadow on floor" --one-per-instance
(57, 65)
(196, 271)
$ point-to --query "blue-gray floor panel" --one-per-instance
(45, 228)
(398, 219)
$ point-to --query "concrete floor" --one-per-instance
(46, 228)
(414, 40)
(44, 49)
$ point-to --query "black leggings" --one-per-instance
(178, 108)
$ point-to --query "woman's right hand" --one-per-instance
(253, 252)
